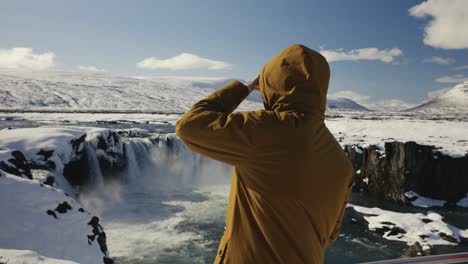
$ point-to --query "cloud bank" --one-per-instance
(447, 27)
(25, 58)
(386, 55)
(459, 78)
(440, 60)
(90, 68)
(463, 67)
(183, 61)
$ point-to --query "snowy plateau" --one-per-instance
(92, 172)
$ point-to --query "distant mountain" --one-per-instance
(81, 92)
(345, 104)
(47, 91)
(454, 100)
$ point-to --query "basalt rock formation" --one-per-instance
(400, 167)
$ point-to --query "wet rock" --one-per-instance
(416, 250)
(50, 180)
(52, 213)
(99, 235)
(46, 154)
(396, 231)
(448, 238)
(63, 207)
(400, 167)
(18, 165)
(76, 171)
(107, 260)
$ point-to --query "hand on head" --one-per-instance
(253, 85)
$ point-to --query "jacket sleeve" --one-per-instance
(210, 128)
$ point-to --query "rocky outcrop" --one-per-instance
(99, 235)
(17, 165)
(400, 167)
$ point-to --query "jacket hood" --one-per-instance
(296, 80)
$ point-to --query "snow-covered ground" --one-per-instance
(451, 135)
(427, 229)
(12, 256)
(66, 91)
(27, 225)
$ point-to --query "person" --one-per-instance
(291, 178)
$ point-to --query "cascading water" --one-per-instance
(160, 210)
(137, 155)
(95, 173)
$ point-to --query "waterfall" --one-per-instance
(137, 155)
(160, 164)
(95, 173)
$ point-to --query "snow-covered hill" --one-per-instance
(99, 92)
(81, 91)
(454, 100)
(345, 104)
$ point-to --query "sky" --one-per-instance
(406, 50)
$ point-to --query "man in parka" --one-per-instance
(291, 179)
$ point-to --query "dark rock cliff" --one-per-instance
(400, 167)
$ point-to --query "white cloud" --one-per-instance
(386, 55)
(367, 101)
(25, 58)
(447, 28)
(183, 61)
(463, 67)
(440, 60)
(459, 78)
(90, 68)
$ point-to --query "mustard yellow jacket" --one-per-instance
(291, 179)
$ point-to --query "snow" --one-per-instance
(26, 224)
(452, 100)
(11, 256)
(31, 140)
(423, 228)
(68, 91)
(374, 128)
(75, 91)
(463, 202)
(425, 202)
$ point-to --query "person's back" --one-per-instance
(291, 178)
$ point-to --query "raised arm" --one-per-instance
(210, 128)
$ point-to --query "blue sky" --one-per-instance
(236, 38)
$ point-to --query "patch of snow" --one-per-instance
(12, 256)
(421, 201)
(427, 229)
(463, 202)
